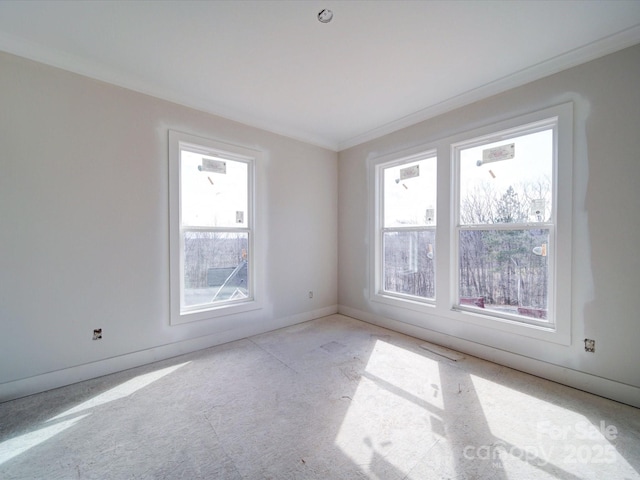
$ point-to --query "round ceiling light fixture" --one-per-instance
(325, 15)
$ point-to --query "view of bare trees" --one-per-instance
(503, 263)
(506, 266)
(408, 260)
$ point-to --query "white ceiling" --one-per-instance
(377, 67)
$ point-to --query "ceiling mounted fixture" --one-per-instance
(325, 15)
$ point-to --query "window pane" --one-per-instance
(408, 263)
(505, 271)
(507, 181)
(410, 194)
(213, 191)
(215, 267)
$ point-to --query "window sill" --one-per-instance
(411, 303)
(214, 312)
(549, 333)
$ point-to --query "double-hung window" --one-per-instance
(505, 229)
(212, 232)
(406, 227)
(503, 234)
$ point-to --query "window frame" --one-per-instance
(180, 314)
(380, 164)
(442, 314)
(550, 123)
(559, 301)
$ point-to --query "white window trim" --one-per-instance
(545, 124)
(235, 152)
(559, 300)
(443, 311)
(377, 167)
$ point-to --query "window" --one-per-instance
(505, 229)
(212, 233)
(406, 228)
(501, 231)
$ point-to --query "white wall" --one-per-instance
(606, 229)
(84, 233)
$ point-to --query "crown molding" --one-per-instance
(572, 58)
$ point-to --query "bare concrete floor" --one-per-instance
(334, 398)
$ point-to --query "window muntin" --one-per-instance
(212, 232)
(407, 227)
(506, 224)
(545, 232)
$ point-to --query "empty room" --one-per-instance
(319, 240)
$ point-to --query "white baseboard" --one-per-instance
(60, 378)
(620, 392)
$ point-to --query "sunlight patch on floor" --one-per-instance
(15, 446)
(121, 391)
(545, 437)
(389, 421)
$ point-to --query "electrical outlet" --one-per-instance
(97, 333)
(310, 293)
(589, 345)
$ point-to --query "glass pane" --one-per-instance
(215, 267)
(504, 184)
(213, 191)
(505, 271)
(409, 263)
(410, 194)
